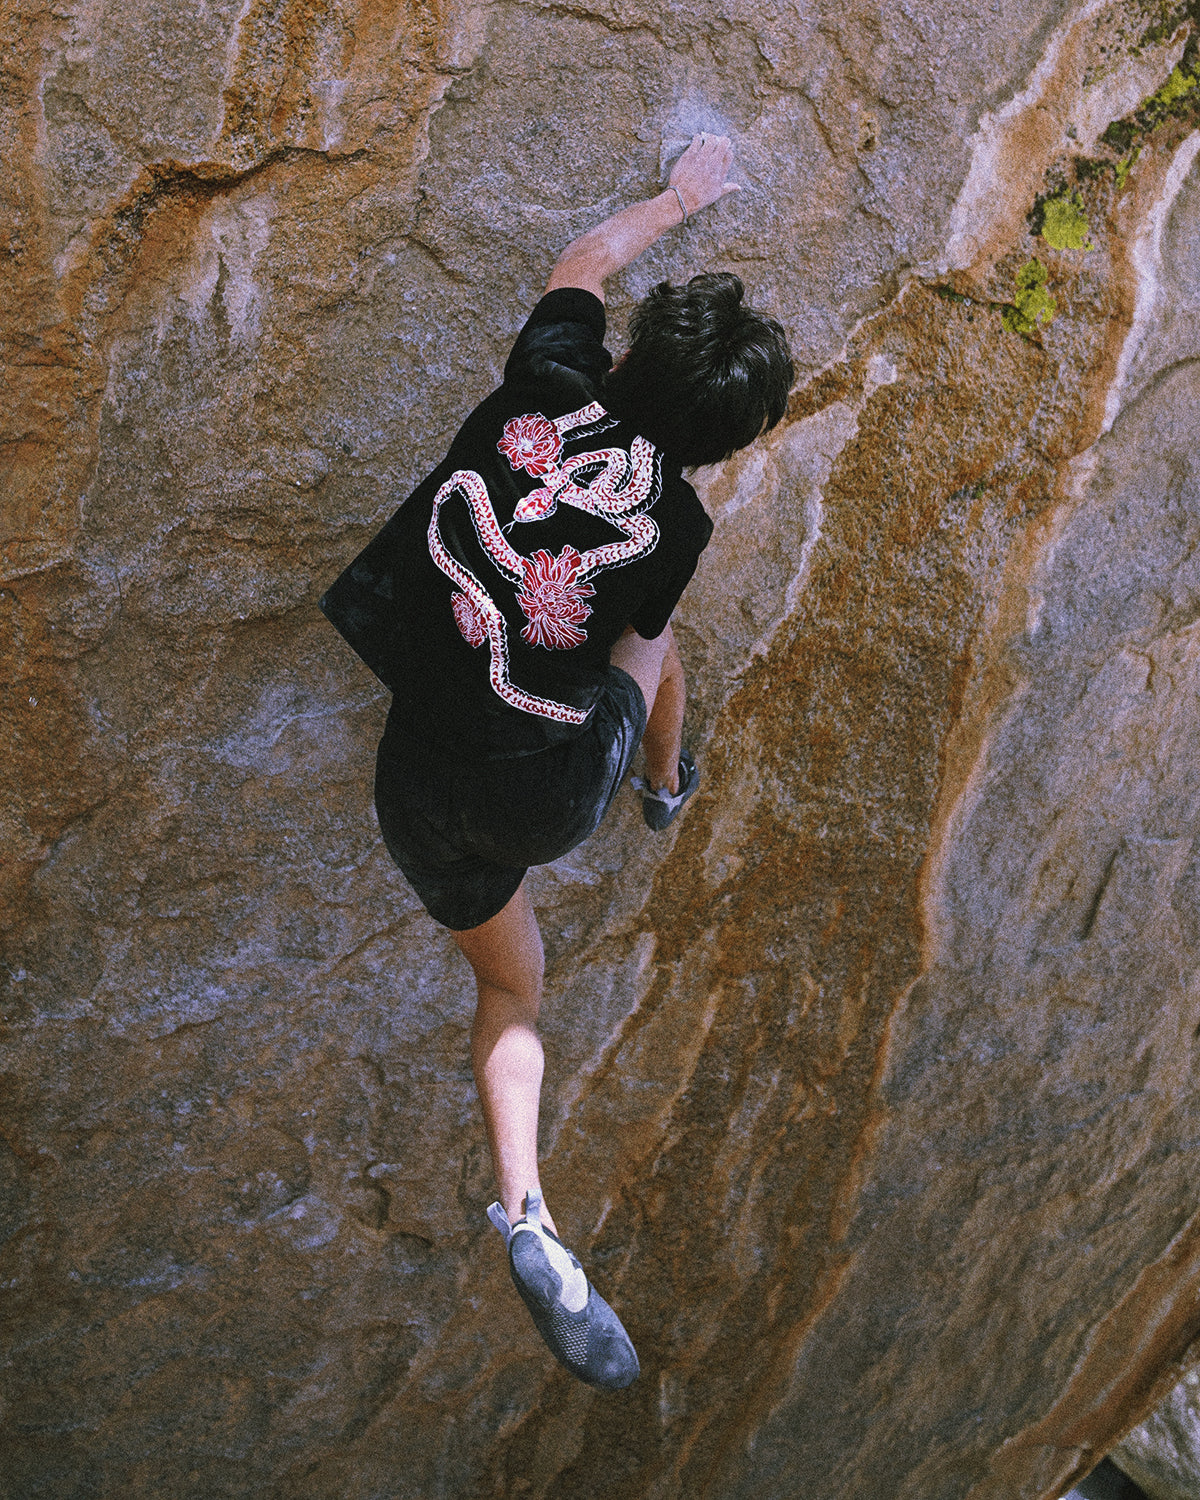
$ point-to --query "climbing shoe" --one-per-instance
(576, 1324)
(661, 807)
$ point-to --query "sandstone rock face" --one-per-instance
(872, 1089)
(1163, 1454)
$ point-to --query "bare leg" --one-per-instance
(658, 671)
(506, 956)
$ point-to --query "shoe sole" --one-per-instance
(592, 1343)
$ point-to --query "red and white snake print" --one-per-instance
(551, 590)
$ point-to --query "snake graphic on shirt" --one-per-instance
(552, 591)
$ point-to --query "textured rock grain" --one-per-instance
(1163, 1454)
(872, 1092)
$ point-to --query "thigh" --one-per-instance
(506, 951)
(458, 885)
(464, 836)
(535, 809)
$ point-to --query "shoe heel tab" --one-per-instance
(533, 1208)
(499, 1220)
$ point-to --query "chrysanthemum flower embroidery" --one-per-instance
(469, 620)
(531, 443)
(553, 601)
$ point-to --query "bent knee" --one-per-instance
(503, 1004)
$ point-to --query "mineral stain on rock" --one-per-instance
(872, 1092)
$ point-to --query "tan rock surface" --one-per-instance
(1163, 1454)
(872, 1092)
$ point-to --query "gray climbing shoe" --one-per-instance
(576, 1324)
(660, 807)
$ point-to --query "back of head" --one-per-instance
(704, 374)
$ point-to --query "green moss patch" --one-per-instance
(1179, 97)
(1125, 165)
(1064, 223)
(1032, 305)
(1120, 135)
(1176, 87)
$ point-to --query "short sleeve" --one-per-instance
(562, 344)
(653, 617)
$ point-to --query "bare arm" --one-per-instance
(699, 177)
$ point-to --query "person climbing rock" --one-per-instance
(518, 606)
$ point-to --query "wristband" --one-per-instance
(682, 204)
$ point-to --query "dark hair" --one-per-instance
(704, 375)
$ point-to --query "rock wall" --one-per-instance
(1163, 1455)
(872, 1090)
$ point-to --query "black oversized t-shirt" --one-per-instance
(490, 602)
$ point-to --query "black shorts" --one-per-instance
(464, 836)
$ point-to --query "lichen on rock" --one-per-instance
(1064, 223)
(1032, 305)
(1177, 87)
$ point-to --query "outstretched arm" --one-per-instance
(698, 178)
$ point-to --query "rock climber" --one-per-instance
(518, 605)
